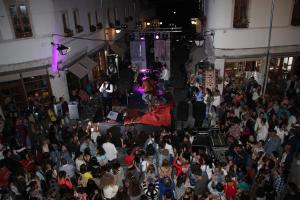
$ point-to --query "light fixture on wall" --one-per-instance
(156, 36)
(118, 30)
(142, 36)
(62, 49)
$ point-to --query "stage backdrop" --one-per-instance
(162, 51)
(138, 53)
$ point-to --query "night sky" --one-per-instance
(178, 12)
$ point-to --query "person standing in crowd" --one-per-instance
(165, 76)
(106, 89)
(199, 108)
(112, 72)
(149, 91)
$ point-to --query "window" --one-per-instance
(283, 64)
(240, 19)
(287, 64)
(78, 27)
(65, 19)
(92, 27)
(296, 13)
(19, 13)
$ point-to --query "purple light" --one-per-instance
(142, 38)
(157, 36)
(54, 64)
(143, 70)
(138, 90)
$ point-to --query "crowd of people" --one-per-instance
(80, 162)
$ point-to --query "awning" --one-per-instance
(78, 70)
(32, 73)
(9, 77)
(88, 63)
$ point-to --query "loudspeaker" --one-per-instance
(182, 111)
(115, 116)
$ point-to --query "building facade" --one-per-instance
(241, 32)
(31, 66)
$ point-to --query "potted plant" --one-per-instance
(68, 32)
(93, 28)
(99, 25)
(79, 29)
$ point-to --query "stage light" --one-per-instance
(194, 21)
(62, 49)
(148, 23)
(118, 30)
(156, 36)
(142, 36)
(160, 23)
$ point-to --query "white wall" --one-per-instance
(59, 85)
(219, 14)
(220, 19)
(46, 19)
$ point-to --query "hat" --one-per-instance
(128, 159)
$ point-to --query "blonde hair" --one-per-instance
(107, 180)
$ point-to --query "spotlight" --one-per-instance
(194, 21)
(118, 30)
(156, 36)
(142, 36)
(160, 23)
(148, 23)
(62, 49)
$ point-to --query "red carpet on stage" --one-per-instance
(160, 115)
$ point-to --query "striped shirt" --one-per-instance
(151, 195)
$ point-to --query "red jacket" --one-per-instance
(65, 182)
(179, 167)
(230, 190)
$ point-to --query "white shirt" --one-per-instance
(94, 136)
(258, 124)
(78, 163)
(165, 74)
(291, 122)
(69, 169)
(281, 133)
(217, 101)
(108, 87)
(170, 149)
(262, 133)
(110, 150)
